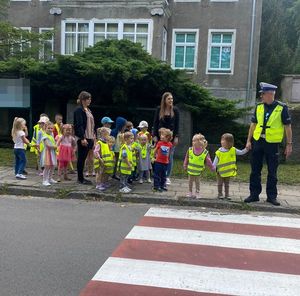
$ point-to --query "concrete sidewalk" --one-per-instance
(289, 196)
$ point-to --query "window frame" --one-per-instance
(224, 0)
(180, 30)
(187, 1)
(119, 22)
(212, 71)
(42, 54)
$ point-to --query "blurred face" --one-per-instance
(267, 97)
(144, 129)
(143, 141)
(129, 140)
(224, 143)
(49, 129)
(23, 125)
(87, 102)
(107, 124)
(105, 135)
(197, 142)
(58, 119)
(169, 101)
(129, 126)
(110, 144)
(68, 131)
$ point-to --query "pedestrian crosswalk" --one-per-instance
(183, 253)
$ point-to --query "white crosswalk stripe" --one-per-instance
(183, 253)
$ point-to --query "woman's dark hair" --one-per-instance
(83, 96)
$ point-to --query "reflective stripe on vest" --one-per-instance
(122, 165)
(274, 128)
(196, 162)
(226, 166)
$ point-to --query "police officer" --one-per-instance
(269, 123)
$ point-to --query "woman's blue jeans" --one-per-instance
(20, 163)
(170, 164)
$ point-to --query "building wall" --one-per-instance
(203, 16)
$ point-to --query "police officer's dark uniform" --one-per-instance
(268, 134)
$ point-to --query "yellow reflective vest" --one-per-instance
(134, 148)
(196, 162)
(122, 165)
(107, 156)
(274, 128)
(226, 166)
(57, 127)
(36, 129)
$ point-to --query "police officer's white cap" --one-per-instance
(266, 87)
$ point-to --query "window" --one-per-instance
(187, 1)
(77, 35)
(224, 0)
(184, 49)
(220, 53)
(21, 44)
(46, 52)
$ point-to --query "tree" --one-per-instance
(121, 75)
(18, 43)
(279, 42)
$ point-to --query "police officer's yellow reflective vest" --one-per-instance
(106, 156)
(36, 129)
(196, 162)
(274, 127)
(226, 166)
(122, 165)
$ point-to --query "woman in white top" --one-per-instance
(19, 137)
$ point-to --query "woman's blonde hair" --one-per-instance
(17, 126)
(163, 105)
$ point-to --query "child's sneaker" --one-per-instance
(100, 187)
(46, 183)
(227, 197)
(197, 195)
(125, 190)
(164, 189)
(155, 189)
(168, 181)
(220, 196)
(141, 181)
(21, 176)
(189, 195)
(149, 180)
(52, 181)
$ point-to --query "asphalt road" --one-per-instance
(54, 247)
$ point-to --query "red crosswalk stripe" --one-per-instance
(180, 252)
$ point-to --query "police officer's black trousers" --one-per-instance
(260, 150)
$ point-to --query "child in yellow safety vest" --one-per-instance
(48, 154)
(225, 163)
(102, 158)
(144, 163)
(196, 158)
(125, 164)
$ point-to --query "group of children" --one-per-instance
(124, 153)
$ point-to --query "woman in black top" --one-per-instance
(167, 116)
(84, 131)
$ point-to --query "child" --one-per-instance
(112, 159)
(48, 154)
(19, 138)
(66, 147)
(143, 126)
(102, 156)
(196, 159)
(57, 131)
(117, 133)
(135, 150)
(125, 162)
(107, 122)
(225, 163)
(144, 163)
(162, 154)
(129, 126)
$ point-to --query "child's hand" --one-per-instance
(185, 167)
